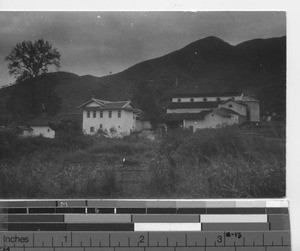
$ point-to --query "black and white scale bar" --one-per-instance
(84, 210)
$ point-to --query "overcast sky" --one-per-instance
(98, 43)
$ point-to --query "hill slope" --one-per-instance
(210, 64)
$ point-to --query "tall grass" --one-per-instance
(225, 162)
(219, 163)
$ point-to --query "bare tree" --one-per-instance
(30, 59)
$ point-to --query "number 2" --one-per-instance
(142, 237)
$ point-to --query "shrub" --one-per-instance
(221, 162)
(9, 141)
(74, 140)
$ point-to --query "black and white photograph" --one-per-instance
(142, 104)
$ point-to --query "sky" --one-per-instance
(100, 43)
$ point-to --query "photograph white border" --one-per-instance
(293, 56)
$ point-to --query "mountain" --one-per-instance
(257, 67)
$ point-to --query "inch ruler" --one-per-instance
(144, 225)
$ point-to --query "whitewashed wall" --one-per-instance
(44, 131)
(123, 125)
(211, 120)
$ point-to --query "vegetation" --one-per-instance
(30, 59)
(257, 67)
(34, 93)
(227, 162)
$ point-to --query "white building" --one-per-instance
(117, 118)
(197, 111)
(36, 129)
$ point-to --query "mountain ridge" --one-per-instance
(257, 66)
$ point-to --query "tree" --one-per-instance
(30, 59)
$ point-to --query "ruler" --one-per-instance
(148, 225)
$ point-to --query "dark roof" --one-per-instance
(115, 105)
(236, 101)
(24, 128)
(223, 112)
(248, 98)
(196, 93)
(206, 104)
(110, 105)
(226, 113)
(186, 116)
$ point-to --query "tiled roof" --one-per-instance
(249, 98)
(223, 112)
(186, 116)
(108, 105)
(115, 105)
(206, 104)
(98, 101)
(196, 93)
(236, 101)
(24, 128)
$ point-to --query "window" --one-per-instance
(218, 99)
(92, 129)
(48, 129)
(101, 126)
(88, 114)
(230, 106)
(119, 114)
(205, 99)
(94, 114)
(109, 114)
(179, 100)
(192, 100)
(101, 114)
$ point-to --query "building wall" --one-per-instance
(201, 99)
(129, 122)
(211, 120)
(143, 125)
(44, 131)
(254, 110)
(26, 133)
(240, 109)
(123, 125)
(187, 110)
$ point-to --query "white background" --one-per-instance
(293, 69)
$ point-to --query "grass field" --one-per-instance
(236, 162)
